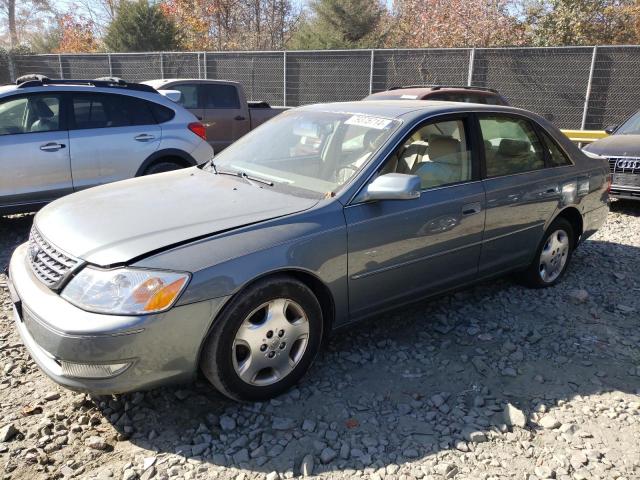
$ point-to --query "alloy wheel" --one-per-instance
(270, 342)
(553, 256)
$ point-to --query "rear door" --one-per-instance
(522, 194)
(34, 147)
(111, 135)
(225, 114)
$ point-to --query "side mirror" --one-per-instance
(173, 95)
(610, 129)
(392, 186)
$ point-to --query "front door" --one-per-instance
(34, 149)
(401, 250)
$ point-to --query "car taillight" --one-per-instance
(198, 129)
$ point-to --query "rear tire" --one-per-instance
(164, 166)
(264, 341)
(552, 256)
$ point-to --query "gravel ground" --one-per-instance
(494, 382)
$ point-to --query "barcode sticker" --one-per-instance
(367, 121)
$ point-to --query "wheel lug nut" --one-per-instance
(281, 333)
(272, 354)
(282, 345)
(263, 347)
(270, 334)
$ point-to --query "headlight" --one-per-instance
(124, 291)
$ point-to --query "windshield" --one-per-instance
(316, 151)
(631, 126)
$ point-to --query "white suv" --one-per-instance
(61, 136)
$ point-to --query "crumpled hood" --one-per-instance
(616, 146)
(120, 221)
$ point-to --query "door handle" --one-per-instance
(144, 137)
(52, 146)
(471, 209)
(239, 117)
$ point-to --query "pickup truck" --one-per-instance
(221, 106)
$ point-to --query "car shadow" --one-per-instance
(408, 385)
(373, 397)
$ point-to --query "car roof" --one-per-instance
(155, 97)
(420, 92)
(160, 82)
(410, 109)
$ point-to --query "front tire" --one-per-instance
(264, 341)
(552, 256)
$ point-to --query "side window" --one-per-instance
(510, 145)
(37, 113)
(557, 158)
(221, 96)
(437, 152)
(104, 110)
(189, 97)
(161, 113)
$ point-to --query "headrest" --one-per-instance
(510, 147)
(42, 109)
(443, 149)
(370, 137)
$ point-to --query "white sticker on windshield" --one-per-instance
(409, 97)
(367, 121)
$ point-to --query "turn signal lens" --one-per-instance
(165, 296)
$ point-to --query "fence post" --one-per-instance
(472, 58)
(199, 66)
(588, 94)
(110, 65)
(60, 66)
(161, 65)
(204, 58)
(371, 73)
(284, 79)
(12, 67)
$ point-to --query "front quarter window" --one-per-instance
(311, 150)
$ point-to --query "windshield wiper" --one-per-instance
(244, 175)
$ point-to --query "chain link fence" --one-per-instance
(576, 87)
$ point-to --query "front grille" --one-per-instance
(630, 165)
(48, 263)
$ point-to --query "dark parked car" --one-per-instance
(322, 216)
(451, 93)
(622, 150)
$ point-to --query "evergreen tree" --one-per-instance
(341, 24)
(141, 27)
